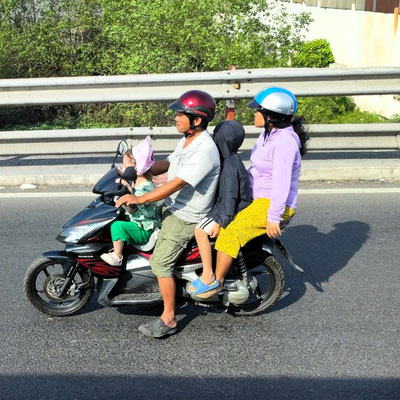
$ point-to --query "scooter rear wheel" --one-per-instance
(43, 281)
(271, 282)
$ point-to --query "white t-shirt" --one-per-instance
(198, 164)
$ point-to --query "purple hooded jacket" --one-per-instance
(275, 170)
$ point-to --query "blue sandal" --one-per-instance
(201, 287)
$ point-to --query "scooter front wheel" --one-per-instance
(43, 281)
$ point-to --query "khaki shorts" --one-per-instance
(172, 240)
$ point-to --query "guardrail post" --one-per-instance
(229, 110)
(230, 104)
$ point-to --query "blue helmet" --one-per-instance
(275, 99)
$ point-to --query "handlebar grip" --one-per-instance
(121, 210)
(118, 193)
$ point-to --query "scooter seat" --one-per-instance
(150, 244)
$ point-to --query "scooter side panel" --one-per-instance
(138, 276)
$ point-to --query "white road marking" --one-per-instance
(365, 190)
(45, 194)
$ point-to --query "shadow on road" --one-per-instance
(341, 155)
(51, 161)
(66, 387)
(185, 312)
(321, 255)
(107, 158)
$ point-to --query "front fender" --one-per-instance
(67, 260)
(58, 255)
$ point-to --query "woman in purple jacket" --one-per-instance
(273, 174)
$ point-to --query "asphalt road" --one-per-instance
(334, 335)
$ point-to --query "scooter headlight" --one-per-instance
(82, 231)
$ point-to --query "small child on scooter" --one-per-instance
(233, 196)
(144, 218)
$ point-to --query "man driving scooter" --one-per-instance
(193, 172)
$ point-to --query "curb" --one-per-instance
(50, 180)
(308, 174)
(391, 174)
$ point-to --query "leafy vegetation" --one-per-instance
(336, 110)
(313, 54)
(44, 38)
(41, 38)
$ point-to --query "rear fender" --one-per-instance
(285, 253)
(271, 246)
(267, 249)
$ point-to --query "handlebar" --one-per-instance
(119, 192)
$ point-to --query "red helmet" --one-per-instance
(195, 102)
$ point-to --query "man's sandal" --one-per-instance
(157, 329)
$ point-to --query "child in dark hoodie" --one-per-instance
(233, 195)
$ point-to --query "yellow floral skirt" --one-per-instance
(247, 225)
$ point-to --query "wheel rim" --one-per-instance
(46, 284)
(266, 282)
(264, 294)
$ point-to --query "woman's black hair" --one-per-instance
(281, 121)
(302, 133)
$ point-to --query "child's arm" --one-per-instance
(214, 231)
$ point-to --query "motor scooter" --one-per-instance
(62, 282)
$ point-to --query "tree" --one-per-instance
(197, 35)
(40, 38)
(43, 38)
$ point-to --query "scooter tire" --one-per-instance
(39, 293)
(271, 294)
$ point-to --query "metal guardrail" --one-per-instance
(323, 137)
(235, 84)
(231, 85)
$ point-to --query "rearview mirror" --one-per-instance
(122, 147)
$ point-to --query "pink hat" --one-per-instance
(143, 155)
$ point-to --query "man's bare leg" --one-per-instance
(168, 290)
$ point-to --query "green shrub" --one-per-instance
(337, 110)
(361, 117)
(323, 110)
(314, 54)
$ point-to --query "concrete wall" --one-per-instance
(359, 39)
(343, 4)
